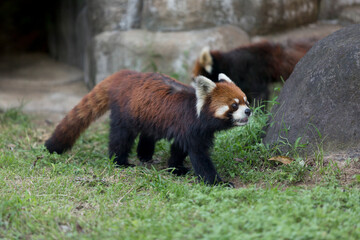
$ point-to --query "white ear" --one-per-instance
(205, 59)
(203, 87)
(222, 76)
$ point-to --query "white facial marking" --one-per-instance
(221, 111)
(236, 100)
(239, 116)
(224, 77)
(245, 99)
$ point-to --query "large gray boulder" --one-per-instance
(255, 17)
(320, 102)
(168, 52)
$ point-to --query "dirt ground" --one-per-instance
(40, 85)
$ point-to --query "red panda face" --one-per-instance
(226, 100)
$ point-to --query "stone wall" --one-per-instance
(104, 36)
(255, 17)
(169, 52)
(111, 15)
(69, 32)
(331, 9)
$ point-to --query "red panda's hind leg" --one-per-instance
(176, 160)
(121, 139)
(120, 144)
(145, 148)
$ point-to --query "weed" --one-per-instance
(14, 116)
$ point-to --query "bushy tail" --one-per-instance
(302, 45)
(296, 49)
(293, 51)
(91, 107)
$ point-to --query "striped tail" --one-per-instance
(92, 106)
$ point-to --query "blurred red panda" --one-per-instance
(253, 67)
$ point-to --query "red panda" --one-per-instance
(156, 106)
(255, 66)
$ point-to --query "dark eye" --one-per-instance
(234, 106)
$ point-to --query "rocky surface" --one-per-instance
(331, 9)
(102, 36)
(52, 88)
(174, 53)
(168, 52)
(81, 27)
(320, 102)
(350, 15)
(111, 15)
(70, 33)
(40, 85)
(255, 17)
(317, 30)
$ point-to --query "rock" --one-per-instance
(330, 9)
(350, 15)
(76, 22)
(261, 17)
(172, 53)
(110, 15)
(316, 30)
(39, 84)
(169, 15)
(320, 102)
(70, 33)
(255, 17)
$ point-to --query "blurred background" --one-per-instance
(52, 52)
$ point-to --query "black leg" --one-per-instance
(145, 148)
(204, 167)
(122, 136)
(176, 160)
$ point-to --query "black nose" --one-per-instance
(248, 111)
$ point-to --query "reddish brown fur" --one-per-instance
(91, 106)
(198, 68)
(156, 106)
(226, 95)
(147, 98)
(126, 89)
(285, 57)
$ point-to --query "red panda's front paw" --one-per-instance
(179, 170)
(226, 184)
(125, 165)
(229, 184)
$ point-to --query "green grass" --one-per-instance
(81, 195)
